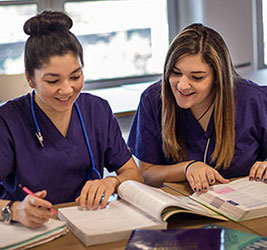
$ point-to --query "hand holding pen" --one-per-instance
(34, 210)
(28, 191)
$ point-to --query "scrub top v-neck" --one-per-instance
(61, 166)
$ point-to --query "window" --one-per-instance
(261, 31)
(264, 32)
(124, 41)
(12, 42)
(121, 38)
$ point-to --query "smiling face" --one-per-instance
(192, 82)
(58, 83)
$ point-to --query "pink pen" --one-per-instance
(28, 191)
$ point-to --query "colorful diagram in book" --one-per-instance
(238, 200)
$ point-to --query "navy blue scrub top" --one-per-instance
(61, 166)
(145, 140)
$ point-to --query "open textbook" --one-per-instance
(17, 236)
(140, 207)
(238, 200)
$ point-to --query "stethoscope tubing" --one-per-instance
(40, 137)
(87, 143)
(207, 144)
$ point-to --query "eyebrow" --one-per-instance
(194, 72)
(53, 74)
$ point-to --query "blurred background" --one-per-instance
(125, 42)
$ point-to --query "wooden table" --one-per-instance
(185, 221)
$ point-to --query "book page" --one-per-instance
(154, 201)
(17, 236)
(190, 206)
(113, 223)
(249, 191)
(237, 199)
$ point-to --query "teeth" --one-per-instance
(63, 99)
(184, 94)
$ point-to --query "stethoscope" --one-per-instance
(41, 139)
(208, 143)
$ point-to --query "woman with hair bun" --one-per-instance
(202, 122)
(56, 141)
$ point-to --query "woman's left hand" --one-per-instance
(258, 171)
(95, 193)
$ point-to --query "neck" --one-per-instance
(204, 118)
(61, 120)
(205, 112)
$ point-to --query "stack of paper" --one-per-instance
(17, 236)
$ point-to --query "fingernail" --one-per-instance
(265, 180)
(251, 178)
(257, 178)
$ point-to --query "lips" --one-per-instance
(63, 99)
(186, 94)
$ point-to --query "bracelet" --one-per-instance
(188, 165)
(116, 177)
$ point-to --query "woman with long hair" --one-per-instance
(202, 122)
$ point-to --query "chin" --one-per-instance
(183, 105)
(63, 108)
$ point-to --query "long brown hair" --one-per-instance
(193, 40)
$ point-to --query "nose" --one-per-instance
(183, 83)
(65, 88)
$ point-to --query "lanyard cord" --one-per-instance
(40, 137)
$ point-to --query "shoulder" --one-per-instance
(246, 88)
(153, 91)
(15, 107)
(152, 95)
(93, 102)
(250, 99)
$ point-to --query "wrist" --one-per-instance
(188, 165)
(14, 211)
(7, 212)
(117, 179)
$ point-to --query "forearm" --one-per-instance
(156, 175)
(129, 171)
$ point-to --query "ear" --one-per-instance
(29, 80)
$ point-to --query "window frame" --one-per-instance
(259, 35)
(172, 16)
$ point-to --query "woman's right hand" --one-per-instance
(32, 211)
(200, 176)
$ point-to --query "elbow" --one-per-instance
(151, 180)
(141, 179)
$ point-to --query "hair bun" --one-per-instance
(47, 21)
